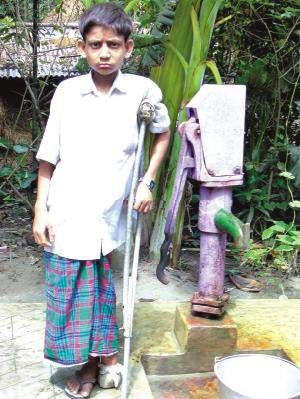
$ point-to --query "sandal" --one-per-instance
(246, 283)
(110, 376)
(81, 381)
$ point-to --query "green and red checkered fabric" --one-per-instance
(81, 310)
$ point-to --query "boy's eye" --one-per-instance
(95, 45)
(114, 44)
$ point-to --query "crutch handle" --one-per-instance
(146, 112)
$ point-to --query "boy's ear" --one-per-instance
(129, 48)
(81, 47)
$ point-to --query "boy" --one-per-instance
(86, 160)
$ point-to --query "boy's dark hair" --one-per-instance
(107, 15)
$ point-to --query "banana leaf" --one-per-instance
(170, 76)
(180, 77)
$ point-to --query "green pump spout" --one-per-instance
(227, 222)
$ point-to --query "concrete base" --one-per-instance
(200, 340)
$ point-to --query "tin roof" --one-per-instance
(57, 53)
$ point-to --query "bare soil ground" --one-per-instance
(22, 270)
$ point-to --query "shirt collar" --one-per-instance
(88, 85)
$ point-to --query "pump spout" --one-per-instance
(225, 221)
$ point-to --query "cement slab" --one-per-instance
(268, 324)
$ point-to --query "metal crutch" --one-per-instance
(145, 114)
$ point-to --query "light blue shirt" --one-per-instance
(91, 138)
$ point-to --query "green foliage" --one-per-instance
(294, 204)
(287, 175)
(4, 143)
(161, 26)
(6, 24)
(82, 66)
(16, 170)
(8, 8)
(256, 43)
(261, 49)
(90, 3)
(255, 257)
(279, 249)
(20, 149)
(271, 231)
(24, 179)
(21, 179)
(295, 164)
(143, 11)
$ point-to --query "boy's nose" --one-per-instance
(104, 52)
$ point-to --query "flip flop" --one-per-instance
(3, 248)
(246, 283)
(81, 381)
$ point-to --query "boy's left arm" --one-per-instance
(144, 197)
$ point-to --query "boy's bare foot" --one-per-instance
(89, 371)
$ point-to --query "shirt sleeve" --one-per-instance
(49, 147)
(161, 121)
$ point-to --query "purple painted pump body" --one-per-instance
(212, 241)
(212, 153)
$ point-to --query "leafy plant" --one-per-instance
(90, 3)
(279, 249)
(284, 237)
(180, 77)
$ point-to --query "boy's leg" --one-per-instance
(110, 370)
(104, 335)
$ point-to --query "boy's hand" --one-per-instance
(143, 198)
(42, 229)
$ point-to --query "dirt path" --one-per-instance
(22, 280)
(22, 270)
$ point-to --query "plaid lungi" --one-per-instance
(81, 310)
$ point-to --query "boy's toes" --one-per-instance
(73, 385)
(86, 389)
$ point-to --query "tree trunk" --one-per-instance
(34, 79)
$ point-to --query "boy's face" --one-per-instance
(105, 50)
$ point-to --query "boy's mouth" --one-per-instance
(106, 66)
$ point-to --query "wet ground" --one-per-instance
(186, 386)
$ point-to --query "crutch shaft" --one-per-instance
(146, 114)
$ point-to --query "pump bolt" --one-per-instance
(237, 170)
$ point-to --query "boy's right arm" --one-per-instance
(42, 230)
